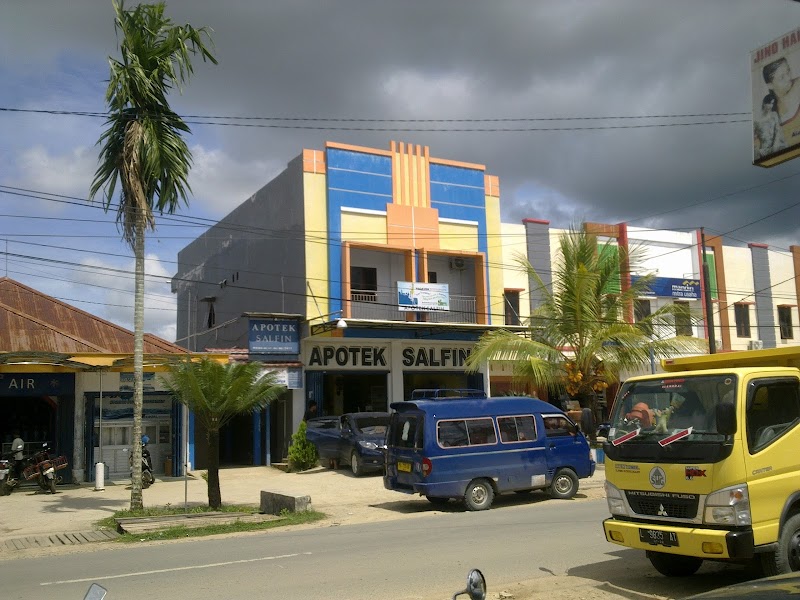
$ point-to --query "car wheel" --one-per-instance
(786, 558)
(437, 500)
(564, 484)
(355, 464)
(479, 495)
(673, 565)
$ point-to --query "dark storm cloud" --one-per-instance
(473, 60)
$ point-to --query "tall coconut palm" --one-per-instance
(142, 147)
(216, 393)
(578, 340)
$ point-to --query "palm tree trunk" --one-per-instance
(138, 361)
(214, 496)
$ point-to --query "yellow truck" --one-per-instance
(703, 462)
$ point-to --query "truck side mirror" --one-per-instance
(726, 418)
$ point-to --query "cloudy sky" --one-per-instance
(557, 70)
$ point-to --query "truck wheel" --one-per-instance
(355, 464)
(786, 558)
(479, 495)
(673, 565)
(564, 484)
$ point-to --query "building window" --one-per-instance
(683, 321)
(364, 284)
(641, 310)
(432, 277)
(785, 321)
(511, 303)
(742, 314)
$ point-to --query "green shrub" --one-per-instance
(302, 453)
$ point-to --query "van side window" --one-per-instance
(558, 426)
(516, 429)
(466, 432)
(773, 407)
(452, 433)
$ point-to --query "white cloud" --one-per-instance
(68, 173)
(220, 183)
(112, 292)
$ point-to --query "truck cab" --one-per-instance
(701, 462)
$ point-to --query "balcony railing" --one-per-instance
(383, 306)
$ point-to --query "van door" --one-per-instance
(528, 468)
(564, 446)
(404, 443)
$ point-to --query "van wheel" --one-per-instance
(479, 495)
(564, 484)
(673, 565)
(355, 464)
(786, 558)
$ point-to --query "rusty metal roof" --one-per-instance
(33, 321)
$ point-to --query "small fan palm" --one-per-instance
(216, 393)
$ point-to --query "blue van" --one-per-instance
(473, 448)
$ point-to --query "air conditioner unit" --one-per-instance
(755, 345)
(457, 263)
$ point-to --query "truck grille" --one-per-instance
(663, 504)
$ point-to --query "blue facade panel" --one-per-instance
(355, 180)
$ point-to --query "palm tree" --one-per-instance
(216, 393)
(578, 340)
(143, 148)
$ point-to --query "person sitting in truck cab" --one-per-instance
(690, 413)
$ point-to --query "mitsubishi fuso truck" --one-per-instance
(703, 462)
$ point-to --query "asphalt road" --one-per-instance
(426, 558)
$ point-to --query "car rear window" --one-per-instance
(372, 425)
(516, 429)
(405, 430)
(465, 432)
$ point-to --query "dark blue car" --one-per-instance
(355, 439)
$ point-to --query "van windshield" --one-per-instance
(405, 430)
(652, 411)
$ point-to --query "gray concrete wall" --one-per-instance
(762, 284)
(253, 260)
(537, 234)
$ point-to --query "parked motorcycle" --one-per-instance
(43, 468)
(147, 465)
(9, 479)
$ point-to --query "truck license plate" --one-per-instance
(655, 537)
(404, 466)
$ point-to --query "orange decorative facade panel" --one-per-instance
(313, 161)
(492, 185)
(410, 174)
(412, 227)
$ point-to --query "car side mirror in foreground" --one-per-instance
(476, 586)
(96, 592)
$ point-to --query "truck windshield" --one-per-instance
(670, 409)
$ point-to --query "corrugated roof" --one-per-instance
(33, 321)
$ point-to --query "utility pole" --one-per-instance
(712, 341)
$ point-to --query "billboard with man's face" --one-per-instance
(775, 77)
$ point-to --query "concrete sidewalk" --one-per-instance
(31, 518)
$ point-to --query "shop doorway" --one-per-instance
(33, 418)
(354, 392)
